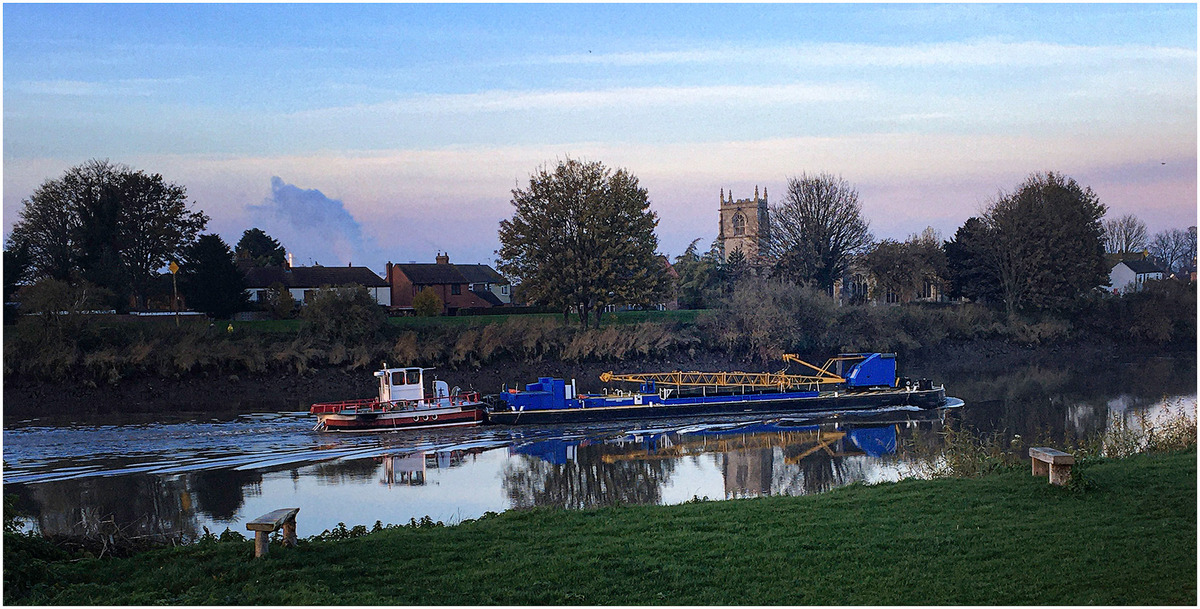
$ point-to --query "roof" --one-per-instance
(431, 273)
(481, 273)
(446, 273)
(1142, 267)
(488, 296)
(313, 276)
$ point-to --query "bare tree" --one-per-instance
(1174, 249)
(817, 229)
(1125, 235)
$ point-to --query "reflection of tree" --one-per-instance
(220, 493)
(152, 506)
(586, 481)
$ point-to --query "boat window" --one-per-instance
(398, 378)
(414, 377)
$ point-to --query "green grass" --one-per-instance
(1128, 537)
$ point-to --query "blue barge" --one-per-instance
(850, 381)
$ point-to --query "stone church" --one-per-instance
(745, 225)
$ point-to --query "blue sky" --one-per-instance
(411, 124)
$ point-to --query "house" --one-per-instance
(304, 281)
(1131, 275)
(459, 286)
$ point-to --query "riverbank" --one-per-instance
(216, 392)
(1124, 534)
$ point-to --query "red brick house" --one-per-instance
(458, 285)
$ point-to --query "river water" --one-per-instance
(178, 478)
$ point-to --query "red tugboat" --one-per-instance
(402, 404)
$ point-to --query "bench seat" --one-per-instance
(270, 522)
(1052, 463)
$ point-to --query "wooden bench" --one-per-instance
(268, 523)
(1053, 463)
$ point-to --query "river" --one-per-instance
(179, 477)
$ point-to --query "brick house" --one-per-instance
(458, 285)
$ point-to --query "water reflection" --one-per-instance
(174, 480)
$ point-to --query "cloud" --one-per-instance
(313, 227)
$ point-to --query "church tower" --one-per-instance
(745, 225)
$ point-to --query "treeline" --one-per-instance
(753, 325)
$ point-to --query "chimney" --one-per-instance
(443, 258)
(290, 260)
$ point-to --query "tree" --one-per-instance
(16, 270)
(968, 266)
(1175, 249)
(106, 223)
(344, 313)
(1045, 243)
(427, 303)
(905, 268)
(817, 230)
(260, 248)
(1125, 235)
(699, 276)
(210, 279)
(583, 237)
(280, 302)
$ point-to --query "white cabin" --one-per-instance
(396, 384)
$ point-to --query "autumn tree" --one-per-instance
(817, 230)
(427, 303)
(582, 237)
(1045, 243)
(108, 224)
(260, 248)
(210, 279)
(1125, 235)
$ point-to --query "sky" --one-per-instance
(362, 134)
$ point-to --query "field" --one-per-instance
(1123, 533)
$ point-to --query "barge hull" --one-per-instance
(926, 399)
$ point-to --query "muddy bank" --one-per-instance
(232, 393)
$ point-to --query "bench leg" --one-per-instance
(1060, 474)
(289, 534)
(260, 543)
(1040, 468)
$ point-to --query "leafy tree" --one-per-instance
(582, 237)
(1125, 235)
(107, 223)
(16, 268)
(1045, 243)
(817, 230)
(734, 270)
(343, 313)
(210, 279)
(427, 303)
(1175, 249)
(280, 302)
(260, 248)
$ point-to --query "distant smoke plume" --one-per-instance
(313, 227)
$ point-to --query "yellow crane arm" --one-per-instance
(780, 379)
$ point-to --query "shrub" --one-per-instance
(345, 313)
(427, 304)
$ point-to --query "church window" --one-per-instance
(739, 224)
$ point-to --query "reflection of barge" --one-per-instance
(851, 381)
(402, 404)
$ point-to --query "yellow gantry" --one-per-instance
(780, 380)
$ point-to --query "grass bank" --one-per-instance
(1125, 534)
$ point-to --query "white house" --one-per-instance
(1131, 275)
(304, 281)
